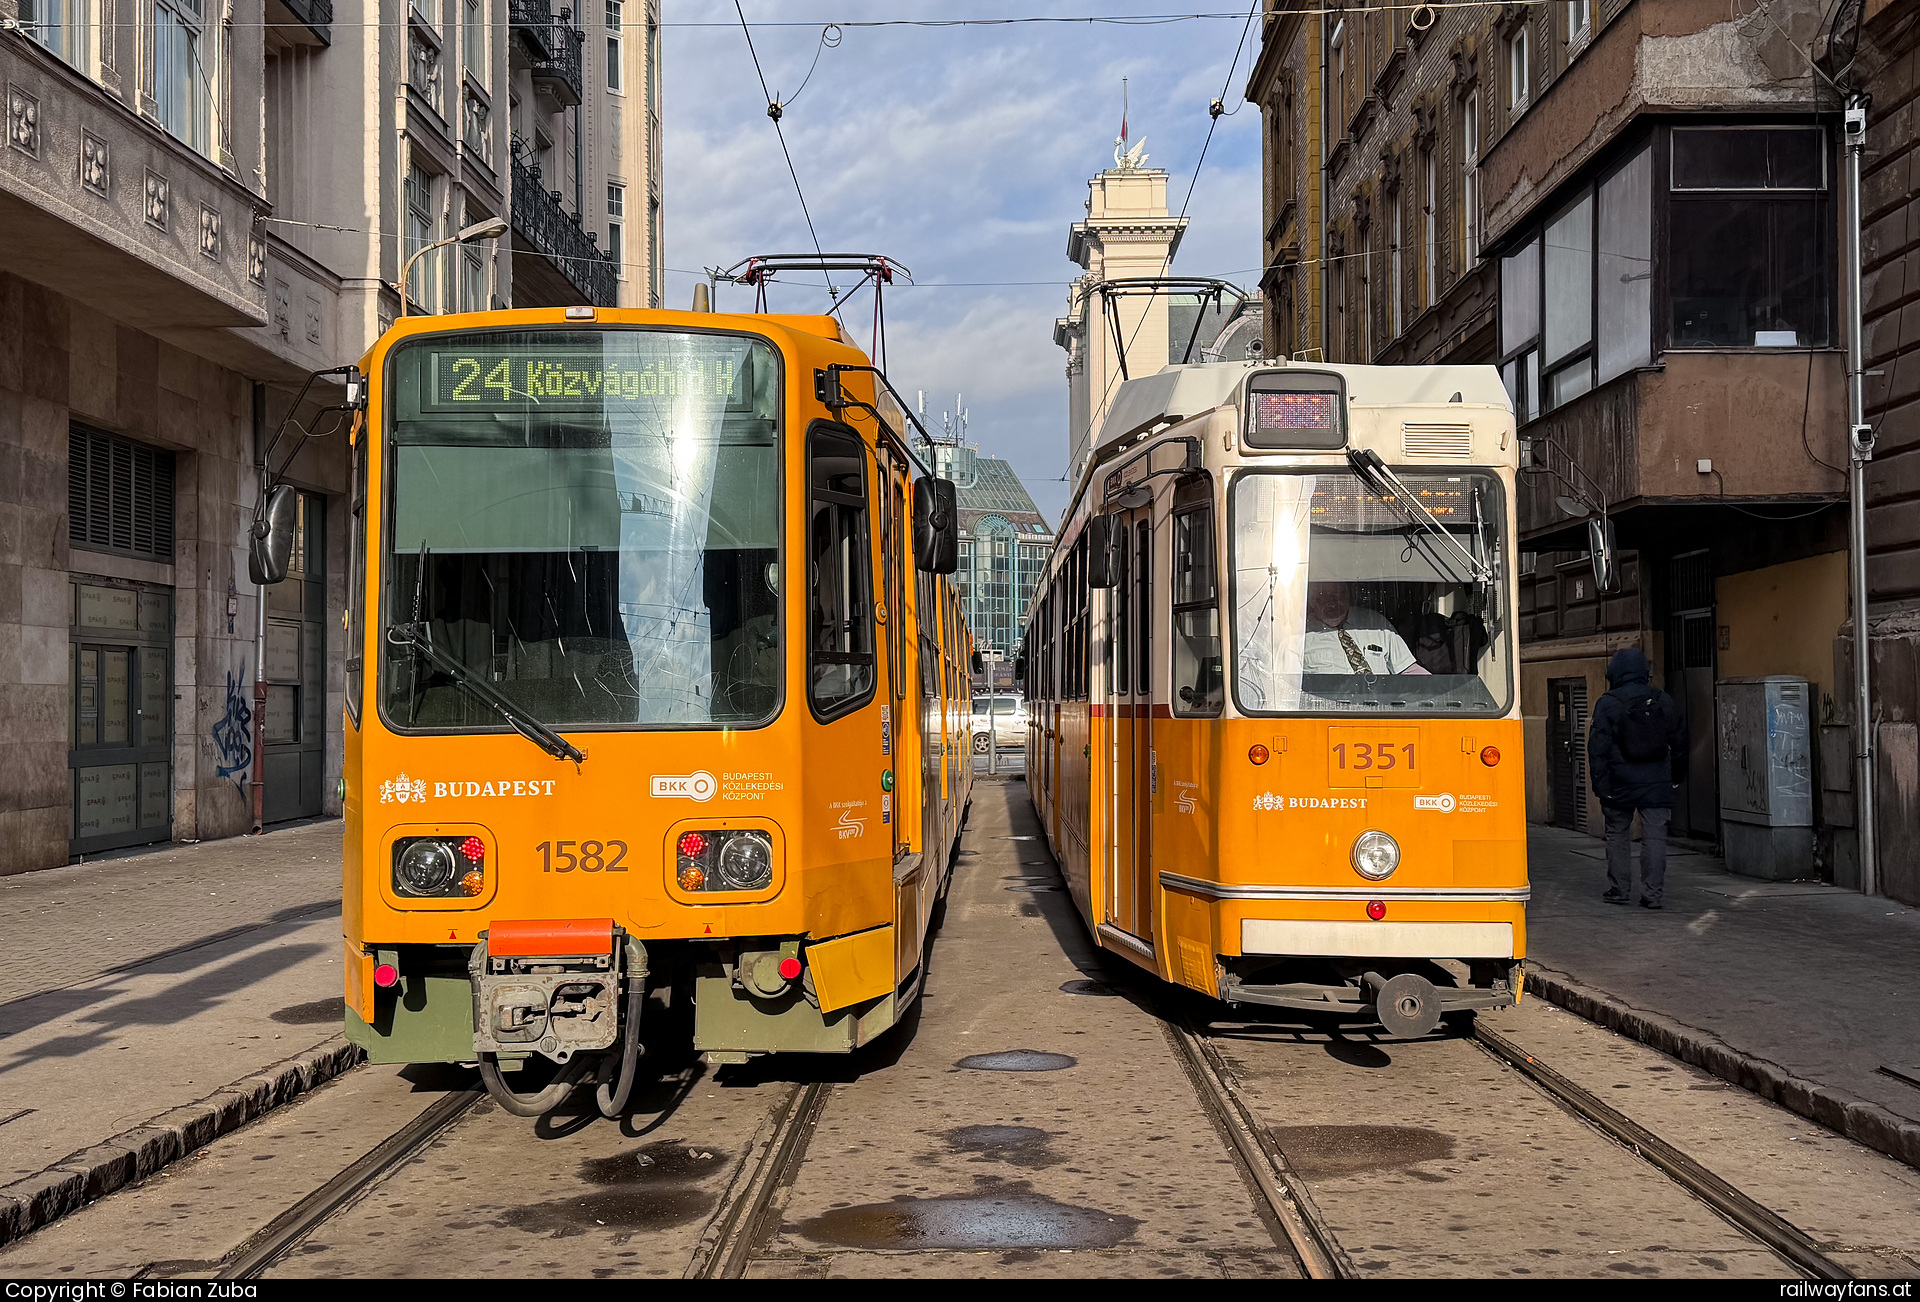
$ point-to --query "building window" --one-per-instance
(474, 293)
(616, 77)
(1520, 328)
(181, 90)
(1566, 331)
(1579, 24)
(1624, 307)
(1750, 237)
(119, 495)
(1430, 234)
(65, 27)
(1470, 179)
(1519, 69)
(423, 281)
(473, 38)
(1396, 269)
(1336, 91)
(617, 228)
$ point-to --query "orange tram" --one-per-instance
(652, 680)
(1275, 733)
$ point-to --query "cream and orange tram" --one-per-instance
(1274, 695)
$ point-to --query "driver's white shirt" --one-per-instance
(1384, 650)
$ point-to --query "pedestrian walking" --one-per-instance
(1636, 756)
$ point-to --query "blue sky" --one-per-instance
(964, 154)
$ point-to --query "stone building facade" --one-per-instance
(1632, 209)
(200, 208)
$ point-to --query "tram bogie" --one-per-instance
(1275, 730)
(644, 688)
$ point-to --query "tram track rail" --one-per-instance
(1733, 1206)
(285, 1232)
(743, 1218)
(1313, 1242)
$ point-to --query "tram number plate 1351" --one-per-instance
(1374, 757)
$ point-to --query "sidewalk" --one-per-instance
(1804, 992)
(150, 1002)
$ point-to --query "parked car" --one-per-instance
(1008, 721)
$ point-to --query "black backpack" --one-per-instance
(1643, 736)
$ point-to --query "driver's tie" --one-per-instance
(1355, 656)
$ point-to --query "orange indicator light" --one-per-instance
(473, 883)
(691, 877)
(1257, 753)
(1490, 756)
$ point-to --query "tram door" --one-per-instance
(1128, 892)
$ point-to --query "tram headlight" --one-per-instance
(708, 860)
(746, 862)
(438, 866)
(1375, 855)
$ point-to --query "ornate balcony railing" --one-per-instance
(544, 224)
(560, 72)
(532, 22)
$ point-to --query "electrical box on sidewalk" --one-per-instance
(1764, 748)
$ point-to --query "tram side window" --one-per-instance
(840, 668)
(1197, 688)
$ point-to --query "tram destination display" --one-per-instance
(628, 369)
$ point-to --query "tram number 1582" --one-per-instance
(589, 857)
(1367, 755)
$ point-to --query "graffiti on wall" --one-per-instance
(232, 734)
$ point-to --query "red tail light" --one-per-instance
(789, 968)
(693, 844)
(1376, 909)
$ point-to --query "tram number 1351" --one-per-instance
(1367, 755)
(590, 857)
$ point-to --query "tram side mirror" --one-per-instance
(936, 526)
(1103, 531)
(1606, 565)
(270, 545)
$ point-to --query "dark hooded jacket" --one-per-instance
(1616, 779)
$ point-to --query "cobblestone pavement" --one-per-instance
(66, 925)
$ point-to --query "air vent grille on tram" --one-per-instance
(1453, 442)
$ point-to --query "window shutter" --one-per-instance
(119, 495)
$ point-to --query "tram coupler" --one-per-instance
(551, 987)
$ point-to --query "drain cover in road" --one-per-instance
(1017, 1060)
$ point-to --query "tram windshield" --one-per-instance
(588, 520)
(1341, 607)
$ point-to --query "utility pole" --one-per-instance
(1859, 452)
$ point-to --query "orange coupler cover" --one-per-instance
(552, 937)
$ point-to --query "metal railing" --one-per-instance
(561, 70)
(540, 219)
(532, 22)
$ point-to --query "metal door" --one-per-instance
(296, 673)
(1567, 750)
(1691, 656)
(121, 716)
(1130, 878)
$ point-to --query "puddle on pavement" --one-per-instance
(1017, 1060)
(1317, 1152)
(1024, 1146)
(987, 1220)
(317, 1013)
(650, 1188)
(1037, 889)
(1088, 988)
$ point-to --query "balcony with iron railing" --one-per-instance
(561, 74)
(544, 229)
(532, 22)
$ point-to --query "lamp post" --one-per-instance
(492, 228)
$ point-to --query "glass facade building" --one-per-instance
(1004, 541)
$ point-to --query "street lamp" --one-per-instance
(492, 228)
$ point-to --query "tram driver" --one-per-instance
(1342, 638)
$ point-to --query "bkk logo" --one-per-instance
(685, 786)
(1444, 802)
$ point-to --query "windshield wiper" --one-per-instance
(417, 636)
(1386, 486)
